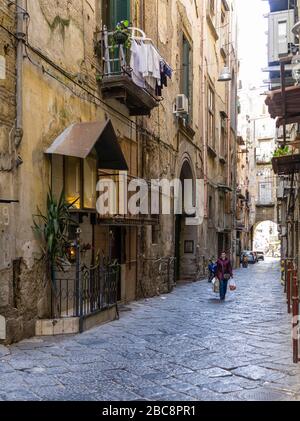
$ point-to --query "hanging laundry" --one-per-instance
(137, 61)
(168, 70)
(149, 70)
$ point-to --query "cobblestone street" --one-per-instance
(182, 346)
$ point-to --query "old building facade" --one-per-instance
(283, 106)
(258, 135)
(73, 114)
(221, 128)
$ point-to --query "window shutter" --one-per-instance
(119, 10)
(186, 67)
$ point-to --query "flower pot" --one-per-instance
(120, 37)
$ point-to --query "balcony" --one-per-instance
(285, 165)
(122, 79)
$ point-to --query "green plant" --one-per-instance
(121, 35)
(52, 229)
(281, 151)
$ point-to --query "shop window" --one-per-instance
(90, 181)
(73, 181)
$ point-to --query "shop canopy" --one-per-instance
(284, 105)
(81, 139)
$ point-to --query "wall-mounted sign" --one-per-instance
(2, 68)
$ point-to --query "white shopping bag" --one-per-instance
(216, 285)
(232, 285)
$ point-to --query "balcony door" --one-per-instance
(115, 11)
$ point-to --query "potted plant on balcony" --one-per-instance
(281, 151)
(121, 34)
(285, 161)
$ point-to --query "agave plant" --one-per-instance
(52, 228)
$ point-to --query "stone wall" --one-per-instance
(7, 118)
(60, 88)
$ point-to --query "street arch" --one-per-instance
(266, 238)
(185, 235)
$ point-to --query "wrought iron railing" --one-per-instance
(80, 291)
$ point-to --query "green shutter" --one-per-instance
(186, 67)
(118, 10)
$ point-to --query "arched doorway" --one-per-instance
(266, 238)
(186, 235)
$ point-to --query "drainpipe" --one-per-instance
(21, 13)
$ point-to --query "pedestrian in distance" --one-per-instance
(224, 273)
(212, 269)
(245, 261)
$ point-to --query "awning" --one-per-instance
(80, 139)
(275, 99)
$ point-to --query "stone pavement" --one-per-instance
(182, 346)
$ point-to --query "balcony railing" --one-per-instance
(80, 291)
(120, 81)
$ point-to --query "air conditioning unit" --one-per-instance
(181, 105)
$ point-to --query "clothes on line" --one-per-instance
(148, 67)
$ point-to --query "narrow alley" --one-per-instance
(182, 346)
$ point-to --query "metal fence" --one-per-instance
(82, 291)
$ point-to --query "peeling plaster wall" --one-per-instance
(7, 118)
(64, 32)
(167, 22)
